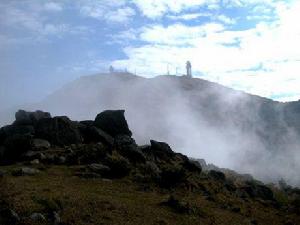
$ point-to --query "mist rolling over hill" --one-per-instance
(201, 119)
(152, 112)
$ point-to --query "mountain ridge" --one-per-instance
(229, 128)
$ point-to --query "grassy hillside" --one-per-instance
(84, 201)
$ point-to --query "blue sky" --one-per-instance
(248, 45)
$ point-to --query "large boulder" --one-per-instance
(92, 134)
(15, 146)
(160, 151)
(88, 154)
(113, 122)
(59, 131)
(192, 166)
(30, 118)
(25, 171)
(127, 147)
(40, 144)
(172, 175)
(11, 130)
(99, 169)
(255, 190)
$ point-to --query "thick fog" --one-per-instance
(228, 128)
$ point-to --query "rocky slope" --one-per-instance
(57, 171)
(201, 119)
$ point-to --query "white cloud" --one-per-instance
(189, 16)
(53, 6)
(120, 15)
(226, 19)
(107, 10)
(157, 8)
(263, 60)
(34, 23)
(124, 37)
(178, 34)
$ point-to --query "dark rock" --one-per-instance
(87, 154)
(8, 217)
(59, 160)
(16, 146)
(99, 169)
(25, 171)
(254, 190)
(56, 218)
(49, 158)
(87, 123)
(92, 134)
(192, 166)
(58, 131)
(11, 130)
(217, 175)
(264, 192)
(35, 162)
(30, 118)
(113, 122)
(31, 155)
(172, 176)
(37, 217)
(203, 163)
(148, 172)
(40, 144)
(127, 147)
(161, 150)
(152, 170)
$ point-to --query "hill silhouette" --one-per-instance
(199, 118)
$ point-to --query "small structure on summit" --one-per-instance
(188, 69)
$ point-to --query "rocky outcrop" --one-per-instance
(256, 190)
(59, 131)
(15, 146)
(105, 157)
(113, 122)
(25, 171)
(90, 133)
(30, 118)
(40, 144)
(127, 147)
(105, 149)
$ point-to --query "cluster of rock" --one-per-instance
(231, 174)
(104, 148)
